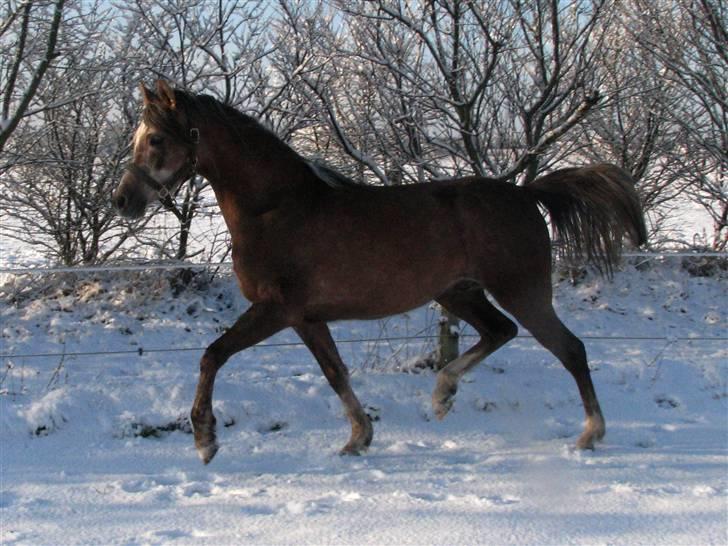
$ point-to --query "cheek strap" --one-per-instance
(164, 189)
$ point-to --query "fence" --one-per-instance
(212, 265)
(140, 351)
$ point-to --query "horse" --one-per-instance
(310, 246)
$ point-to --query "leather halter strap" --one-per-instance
(164, 188)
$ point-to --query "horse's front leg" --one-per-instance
(317, 337)
(259, 322)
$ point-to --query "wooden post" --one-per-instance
(447, 348)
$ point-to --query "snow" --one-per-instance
(96, 448)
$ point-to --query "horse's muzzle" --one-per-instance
(129, 203)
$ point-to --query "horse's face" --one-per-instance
(163, 154)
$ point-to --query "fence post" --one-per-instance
(448, 337)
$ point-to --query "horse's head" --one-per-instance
(163, 156)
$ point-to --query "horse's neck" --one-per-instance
(254, 175)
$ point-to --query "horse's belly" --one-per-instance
(368, 290)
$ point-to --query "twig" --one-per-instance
(57, 371)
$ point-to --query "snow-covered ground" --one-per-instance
(95, 449)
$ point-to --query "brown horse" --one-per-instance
(310, 247)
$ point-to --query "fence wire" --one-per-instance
(140, 351)
(228, 264)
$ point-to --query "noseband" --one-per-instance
(164, 189)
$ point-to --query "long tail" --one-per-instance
(591, 208)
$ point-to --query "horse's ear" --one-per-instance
(147, 94)
(166, 93)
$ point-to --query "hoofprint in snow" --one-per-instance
(95, 448)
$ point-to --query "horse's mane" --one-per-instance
(332, 177)
(239, 124)
(230, 118)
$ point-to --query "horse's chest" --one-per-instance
(256, 287)
(259, 272)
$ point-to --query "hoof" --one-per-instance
(594, 431)
(585, 442)
(356, 447)
(442, 407)
(349, 450)
(207, 452)
(203, 428)
(361, 439)
(443, 396)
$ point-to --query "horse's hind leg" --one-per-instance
(537, 314)
(317, 337)
(468, 302)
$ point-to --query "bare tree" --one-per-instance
(28, 45)
(689, 42)
(551, 79)
(631, 127)
(67, 158)
(443, 88)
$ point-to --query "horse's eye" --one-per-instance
(156, 140)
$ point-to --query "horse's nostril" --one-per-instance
(120, 202)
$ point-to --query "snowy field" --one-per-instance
(95, 449)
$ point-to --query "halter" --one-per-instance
(164, 189)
